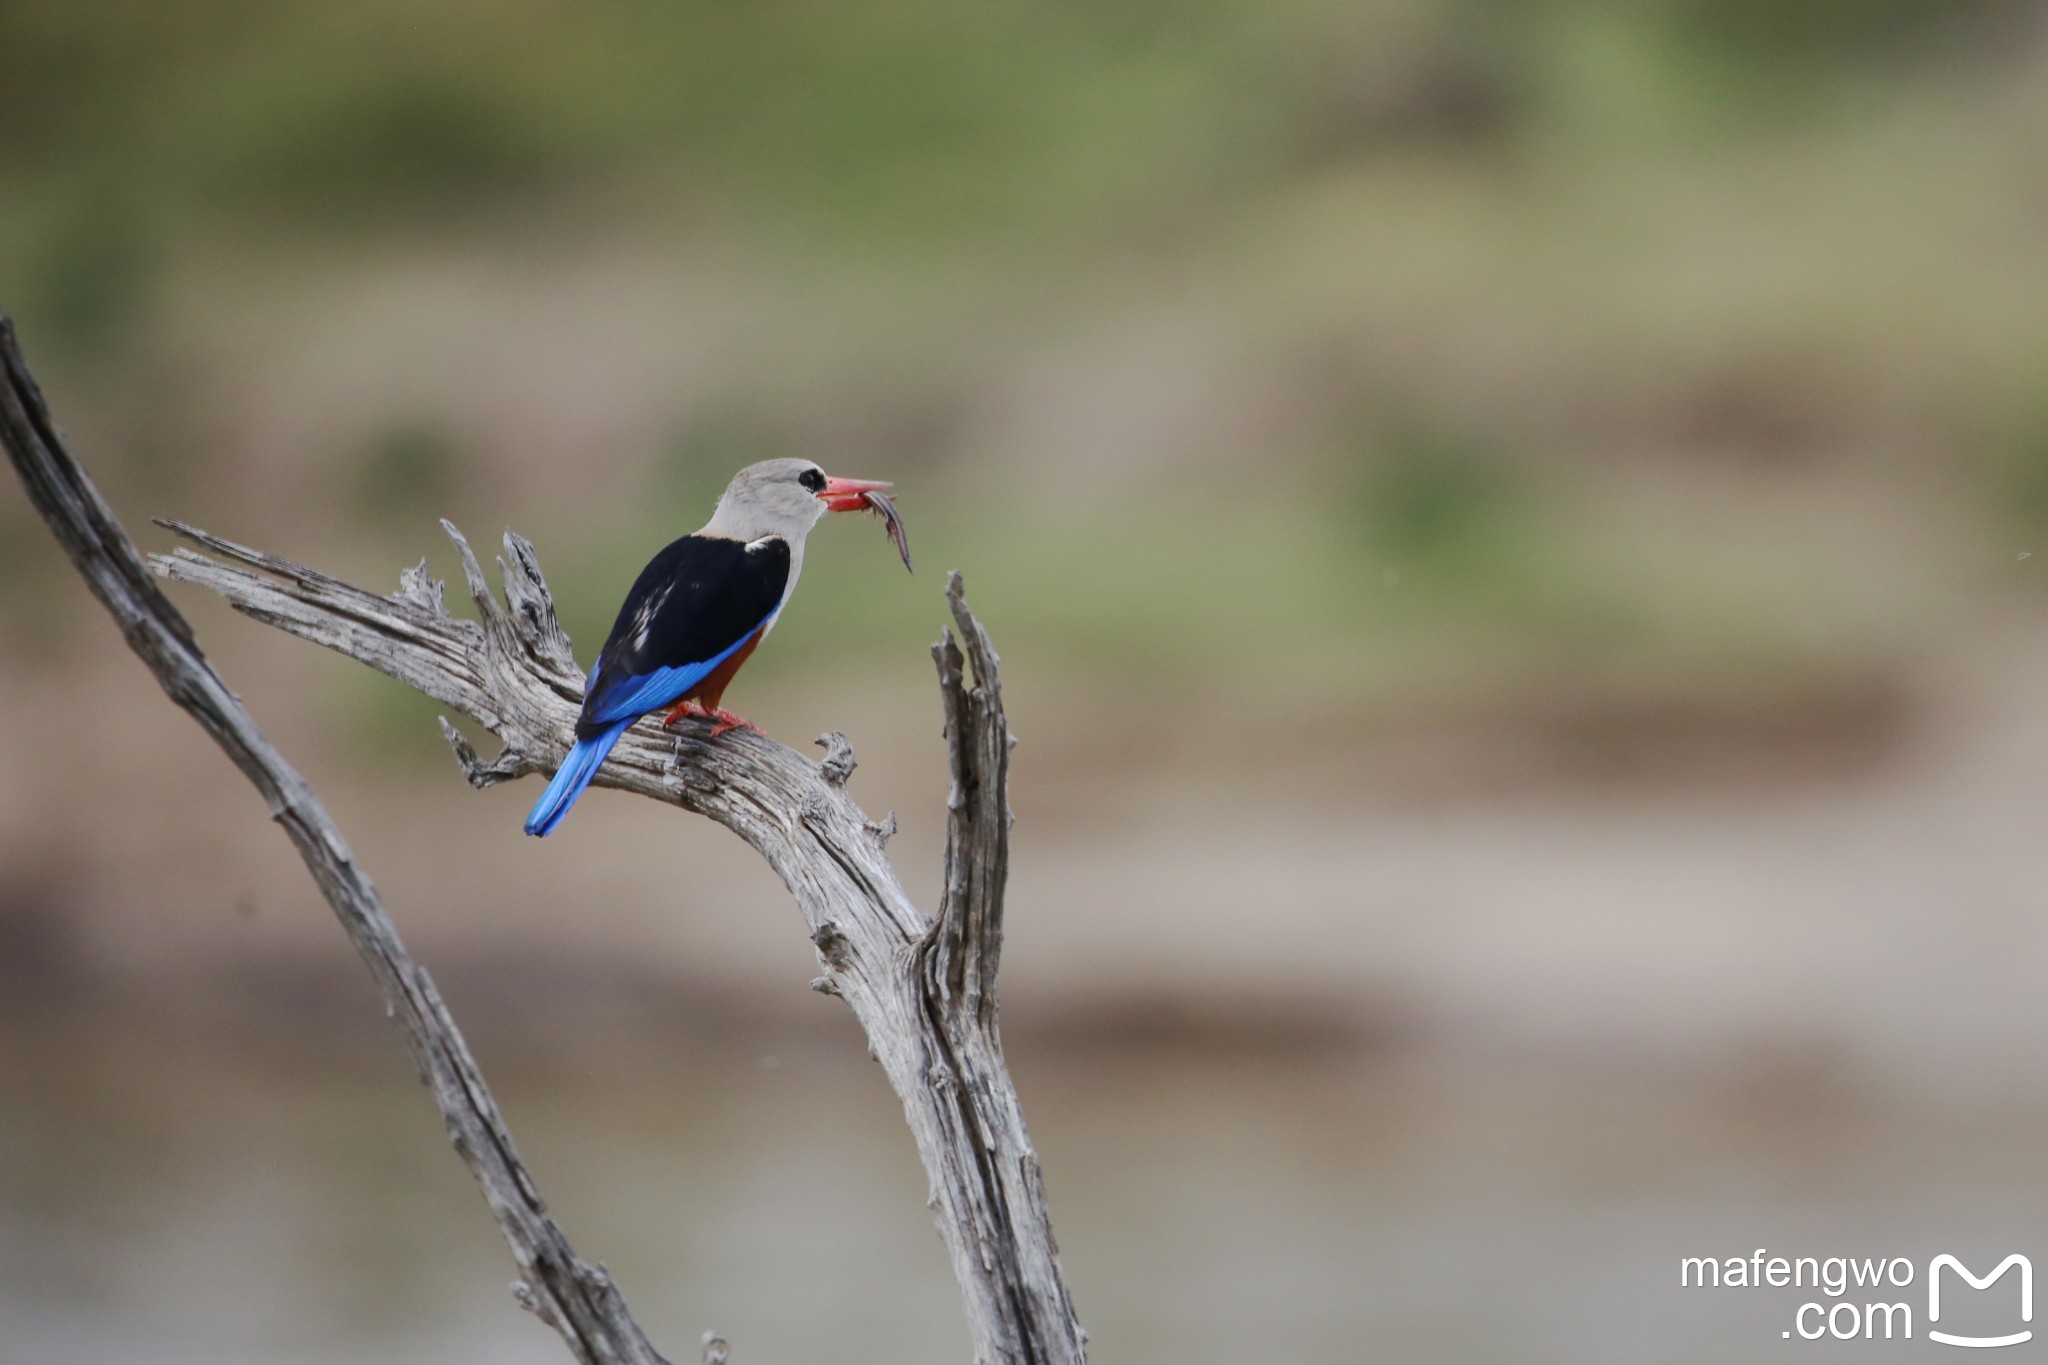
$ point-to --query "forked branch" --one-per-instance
(923, 991)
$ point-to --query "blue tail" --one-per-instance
(572, 777)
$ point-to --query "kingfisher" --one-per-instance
(700, 608)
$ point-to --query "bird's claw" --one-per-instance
(720, 718)
(725, 720)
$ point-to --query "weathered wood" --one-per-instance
(924, 991)
(576, 1298)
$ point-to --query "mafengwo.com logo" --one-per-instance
(1874, 1298)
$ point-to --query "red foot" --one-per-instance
(722, 719)
(726, 720)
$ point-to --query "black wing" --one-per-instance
(695, 603)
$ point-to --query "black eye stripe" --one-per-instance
(812, 479)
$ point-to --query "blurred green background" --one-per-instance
(1515, 526)
(1453, 310)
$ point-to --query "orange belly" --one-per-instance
(713, 687)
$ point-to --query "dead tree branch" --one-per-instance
(576, 1298)
(923, 991)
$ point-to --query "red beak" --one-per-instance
(848, 495)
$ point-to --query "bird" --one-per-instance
(698, 611)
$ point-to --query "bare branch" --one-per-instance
(957, 964)
(576, 1298)
(924, 992)
(968, 942)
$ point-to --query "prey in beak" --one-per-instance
(850, 495)
(854, 495)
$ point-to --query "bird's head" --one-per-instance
(787, 498)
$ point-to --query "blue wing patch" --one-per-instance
(633, 697)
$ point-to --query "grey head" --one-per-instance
(772, 498)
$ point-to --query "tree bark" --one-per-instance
(924, 991)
